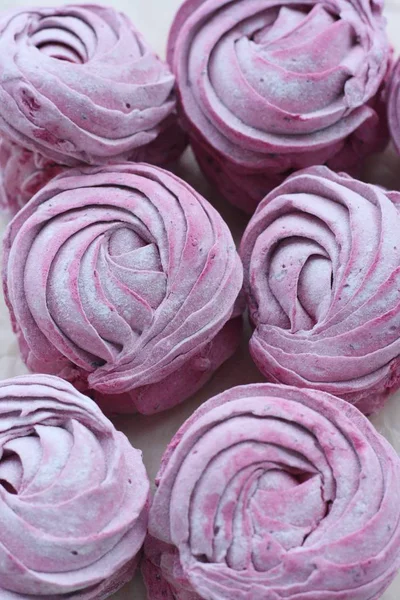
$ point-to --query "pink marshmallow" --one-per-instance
(74, 495)
(322, 274)
(266, 89)
(123, 280)
(274, 492)
(394, 106)
(22, 174)
(79, 84)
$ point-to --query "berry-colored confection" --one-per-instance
(22, 174)
(74, 495)
(274, 492)
(78, 84)
(322, 275)
(123, 280)
(266, 88)
(394, 106)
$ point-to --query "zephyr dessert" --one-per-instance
(124, 281)
(394, 106)
(322, 273)
(79, 84)
(266, 88)
(22, 174)
(269, 491)
(74, 495)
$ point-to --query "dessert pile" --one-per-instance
(127, 293)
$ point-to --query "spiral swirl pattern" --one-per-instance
(274, 492)
(73, 495)
(123, 280)
(79, 84)
(322, 275)
(267, 88)
(394, 106)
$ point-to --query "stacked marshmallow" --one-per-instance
(266, 88)
(73, 495)
(78, 84)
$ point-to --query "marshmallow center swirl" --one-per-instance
(273, 492)
(322, 264)
(269, 87)
(78, 83)
(73, 494)
(124, 272)
(257, 71)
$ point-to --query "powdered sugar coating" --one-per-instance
(123, 280)
(322, 266)
(266, 89)
(274, 492)
(73, 495)
(79, 84)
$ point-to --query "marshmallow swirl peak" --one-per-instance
(73, 495)
(124, 281)
(322, 276)
(275, 492)
(267, 87)
(79, 84)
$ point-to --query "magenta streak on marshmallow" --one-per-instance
(394, 106)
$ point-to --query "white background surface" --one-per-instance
(152, 434)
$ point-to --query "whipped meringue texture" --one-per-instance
(322, 273)
(274, 492)
(124, 281)
(74, 495)
(267, 88)
(22, 174)
(78, 83)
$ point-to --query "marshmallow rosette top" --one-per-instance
(267, 87)
(322, 275)
(80, 84)
(394, 106)
(124, 281)
(73, 495)
(275, 492)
